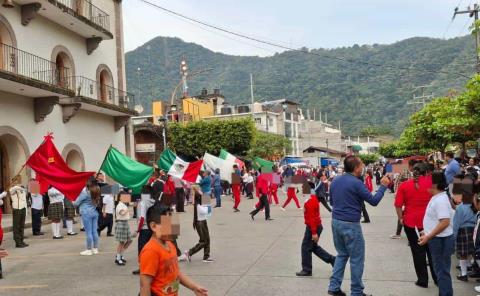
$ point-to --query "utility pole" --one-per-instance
(420, 100)
(472, 13)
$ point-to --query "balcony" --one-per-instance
(79, 16)
(28, 75)
(100, 98)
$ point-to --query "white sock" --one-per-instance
(81, 223)
(119, 256)
(463, 267)
(54, 229)
(69, 226)
(59, 227)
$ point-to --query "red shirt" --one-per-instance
(414, 200)
(311, 212)
(368, 183)
(262, 185)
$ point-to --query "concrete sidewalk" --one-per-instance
(7, 222)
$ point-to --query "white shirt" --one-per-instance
(202, 213)
(247, 178)
(55, 196)
(122, 207)
(37, 201)
(438, 208)
(19, 197)
(109, 204)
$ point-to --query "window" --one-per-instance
(258, 120)
(270, 121)
(288, 130)
(288, 116)
(105, 91)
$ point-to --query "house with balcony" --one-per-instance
(62, 70)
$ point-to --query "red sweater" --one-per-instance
(262, 186)
(311, 213)
(414, 201)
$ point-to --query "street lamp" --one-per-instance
(163, 123)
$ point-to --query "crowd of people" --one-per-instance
(436, 208)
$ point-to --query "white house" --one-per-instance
(62, 70)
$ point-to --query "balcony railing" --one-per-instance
(88, 88)
(86, 9)
(27, 65)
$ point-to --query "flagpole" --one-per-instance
(105, 158)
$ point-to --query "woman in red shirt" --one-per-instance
(411, 203)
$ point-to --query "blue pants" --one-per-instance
(309, 247)
(442, 249)
(217, 191)
(349, 243)
(90, 223)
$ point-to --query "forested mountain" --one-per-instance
(372, 90)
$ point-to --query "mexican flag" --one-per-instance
(225, 166)
(265, 165)
(177, 167)
(126, 171)
(224, 154)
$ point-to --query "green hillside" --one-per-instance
(357, 94)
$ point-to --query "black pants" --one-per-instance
(263, 204)
(420, 255)
(180, 199)
(324, 202)
(204, 242)
(399, 228)
(107, 222)
(19, 225)
(309, 247)
(366, 217)
(36, 221)
(143, 237)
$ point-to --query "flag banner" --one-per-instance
(52, 170)
(224, 154)
(265, 165)
(226, 167)
(126, 171)
(177, 167)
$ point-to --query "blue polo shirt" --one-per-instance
(347, 193)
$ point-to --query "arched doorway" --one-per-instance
(105, 84)
(73, 156)
(7, 45)
(13, 155)
(63, 65)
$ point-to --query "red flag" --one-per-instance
(51, 169)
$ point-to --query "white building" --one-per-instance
(62, 70)
(315, 133)
(364, 145)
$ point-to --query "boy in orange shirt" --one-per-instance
(159, 272)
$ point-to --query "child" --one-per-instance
(122, 232)
(291, 194)
(313, 230)
(200, 216)
(69, 215)
(37, 211)
(144, 233)
(107, 214)
(55, 211)
(463, 226)
(159, 272)
(262, 191)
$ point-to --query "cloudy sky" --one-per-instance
(310, 23)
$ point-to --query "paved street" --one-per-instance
(252, 258)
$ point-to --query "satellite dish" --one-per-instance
(138, 108)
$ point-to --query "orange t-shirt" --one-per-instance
(162, 265)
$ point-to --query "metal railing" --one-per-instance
(27, 65)
(86, 9)
(88, 88)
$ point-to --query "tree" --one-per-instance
(388, 149)
(269, 146)
(194, 139)
(368, 158)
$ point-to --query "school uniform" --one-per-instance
(37, 212)
(262, 191)
(122, 229)
(107, 220)
(55, 210)
(19, 205)
(202, 229)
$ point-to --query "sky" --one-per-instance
(309, 23)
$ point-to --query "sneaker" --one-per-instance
(182, 258)
(82, 229)
(123, 259)
(187, 256)
(394, 236)
(208, 260)
(283, 209)
(95, 251)
(303, 273)
(86, 253)
(269, 219)
(58, 237)
(119, 262)
(72, 233)
(463, 278)
(236, 210)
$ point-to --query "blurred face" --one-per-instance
(359, 169)
(168, 229)
(471, 162)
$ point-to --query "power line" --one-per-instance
(290, 48)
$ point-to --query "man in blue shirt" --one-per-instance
(453, 167)
(347, 193)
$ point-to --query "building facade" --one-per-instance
(320, 134)
(62, 70)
